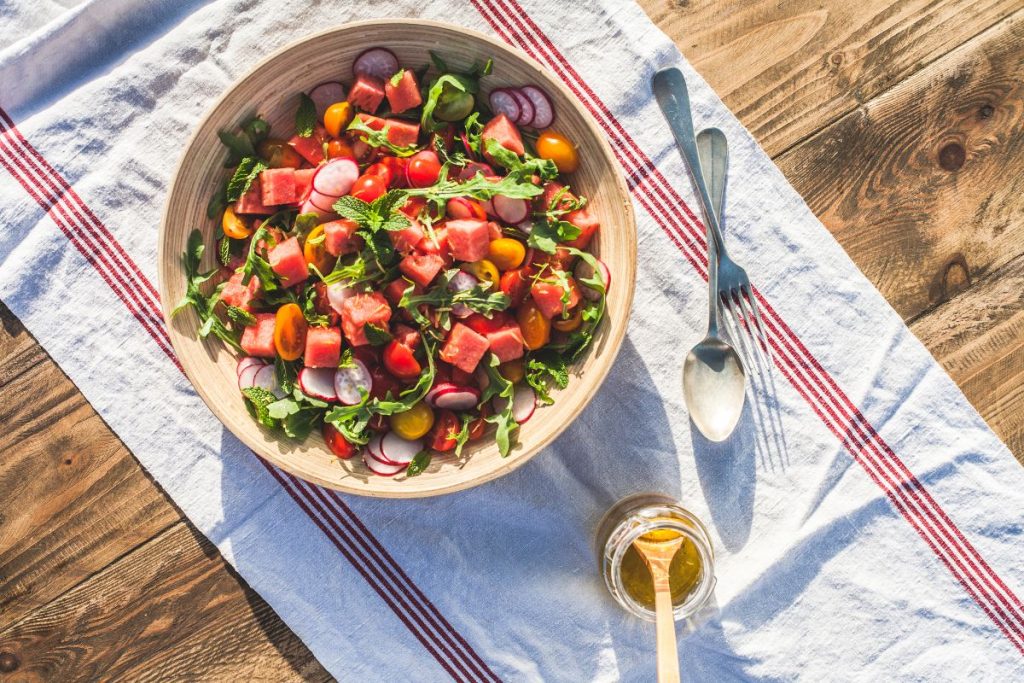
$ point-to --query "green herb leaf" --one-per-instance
(437, 90)
(259, 399)
(379, 138)
(397, 78)
(218, 202)
(305, 116)
(286, 372)
(474, 130)
(203, 305)
(256, 265)
(239, 147)
(477, 187)
(380, 214)
(224, 250)
(479, 299)
(241, 316)
(246, 173)
(506, 423)
(420, 462)
(546, 366)
(377, 336)
(547, 234)
(438, 62)
(309, 311)
(257, 129)
(525, 167)
(304, 224)
(462, 438)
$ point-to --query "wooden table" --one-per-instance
(900, 122)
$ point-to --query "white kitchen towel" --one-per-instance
(866, 521)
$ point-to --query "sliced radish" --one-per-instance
(525, 107)
(583, 271)
(483, 380)
(509, 209)
(524, 402)
(335, 178)
(349, 380)
(461, 282)
(488, 207)
(373, 446)
(378, 62)
(246, 376)
(461, 398)
(336, 295)
(318, 383)
(246, 362)
(380, 468)
(322, 214)
(525, 227)
(543, 110)
(505, 102)
(326, 94)
(398, 450)
(321, 201)
(266, 378)
(470, 170)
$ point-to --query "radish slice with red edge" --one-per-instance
(326, 94)
(373, 446)
(525, 108)
(378, 62)
(246, 362)
(266, 378)
(503, 101)
(336, 177)
(525, 227)
(322, 201)
(524, 403)
(459, 398)
(337, 293)
(380, 468)
(318, 383)
(246, 376)
(470, 170)
(323, 214)
(509, 209)
(349, 380)
(461, 282)
(398, 450)
(543, 110)
(584, 271)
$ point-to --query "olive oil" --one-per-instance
(683, 574)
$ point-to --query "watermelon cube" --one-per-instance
(312, 148)
(406, 239)
(400, 132)
(323, 347)
(436, 245)
(238, 295)
(507, 343)
(547, 294)
(367, 93)
(406, 335)
(464, 348)
(252, 201)
(396, 288)
(340, 237)
(421, 268)
(403, 95)
(287, 260)
(258, 339)
(303, 184)
(468, 238)
(277, 186)
(587, 223)
(504, 132)
(360, 309)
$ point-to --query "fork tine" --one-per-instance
(761, 330)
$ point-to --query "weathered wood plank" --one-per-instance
(978, 337)
(170, 610)
(18, 350)
(787, 69)
(924, 186)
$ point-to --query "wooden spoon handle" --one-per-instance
(668, 654)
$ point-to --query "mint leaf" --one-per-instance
(258, 401)
(239, 146)
(546, 366)
(375, 335)
(305, 117)
(256, 265)
(246, 173)
(203, 305)
(547, 234)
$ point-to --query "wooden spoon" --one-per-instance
(658, 548)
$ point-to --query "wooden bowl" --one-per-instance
(270, 89)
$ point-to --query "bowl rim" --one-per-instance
(616, 331)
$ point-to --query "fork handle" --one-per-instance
(670, 91)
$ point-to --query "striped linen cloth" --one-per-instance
(866, 521)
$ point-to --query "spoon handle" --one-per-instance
(713, 149)
(665, 624)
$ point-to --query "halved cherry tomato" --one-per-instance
(369, 187)
(234, 227)
(506, 253)
(512, 371)
(337, 443)
(463, 207)
(569, 324)
(423, 169)
(481, 325)
(380, 170)
(400, 361)
(279, 154)
(396, 165)
(413, 206)
(478, 426)
(315, 250)
(413, 423)
(516, 284)
(339, 149)
(485, 271)
(554, 146)
(290, 332)
(535, 327)
(446, 428)
(337, 117)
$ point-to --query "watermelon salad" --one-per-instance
(404, 269)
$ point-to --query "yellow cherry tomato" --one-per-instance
(512, 371)
(337, 117)
(554, 146)
(290, 332)
(234, 226)
(339, 149)
(535, 327)
(315, 251)
(569, 324)
(506, 253)
(413, 423)
(279, 154)
(485, 271)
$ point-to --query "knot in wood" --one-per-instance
(9, 662)
(952, 156)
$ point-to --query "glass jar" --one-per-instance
(693, 568)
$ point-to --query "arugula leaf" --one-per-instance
(420, 462)
(547, 234)
(437, 89)
(462, 438)
(506, 423)
(525, 167)
(477, 187)
(347, 359)
(438, 62)
(379, 138)
(397, 78)
(546, 366)
(309, 311)
(304, 224)
(241, 316)
(286, 372)
(258, 400)
(248, 170)
(592, 313)
(256, 265)
(474, 129)
(305, 116)
(203, 305)
(377, 336)
(479, 299)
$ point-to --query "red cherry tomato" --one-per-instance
(516, 284)
(380, 170)
(423, 170)
(413, 206)
(337, 443)
(478, 426)
(442, 435)
(369, 187)
(396, 165)
(383, 383)
(482, 325)
(400, 361)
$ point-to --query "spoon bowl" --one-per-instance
(713, 385)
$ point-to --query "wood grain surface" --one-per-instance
(899, 122)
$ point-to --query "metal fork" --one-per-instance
(734, 288)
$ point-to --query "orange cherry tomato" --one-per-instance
(554, 146)
(290, 332)
(569, 324)
(279, 154)
(315, 251)
(506, 253)
(234, 227)
(535, 327)
(339, 149)
(337, 117)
